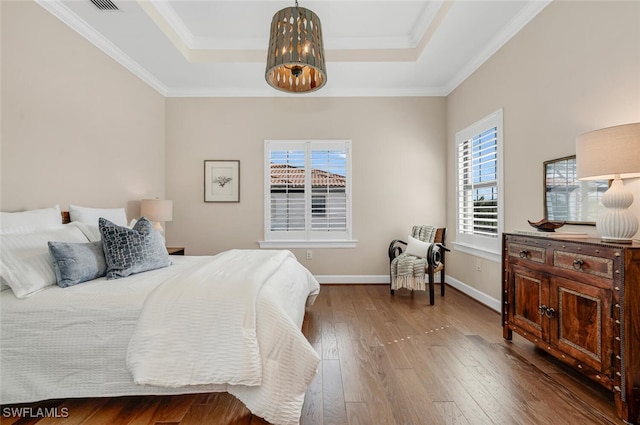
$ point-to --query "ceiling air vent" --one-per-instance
(105, 4)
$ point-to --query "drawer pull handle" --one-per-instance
(577, 264)
(543, 310)
(524, 253)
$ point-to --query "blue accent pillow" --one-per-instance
(128, 251)
(75, 263)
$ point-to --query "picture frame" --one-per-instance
(221, 180)
(568, 199)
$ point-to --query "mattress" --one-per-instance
(72, 342)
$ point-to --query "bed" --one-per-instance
(187, 328)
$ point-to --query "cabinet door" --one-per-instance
(529, 293)
(582, 328)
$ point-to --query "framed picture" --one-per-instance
(221, 181)
(568, 199)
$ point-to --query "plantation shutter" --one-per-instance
(307, 191)
(478, 184)
(328, 185)
(287, 185)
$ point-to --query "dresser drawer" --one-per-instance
(527, 252)
(597, 266)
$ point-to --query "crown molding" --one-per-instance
(176, 26)
(63, 13)
(522, 19)
(325, 92)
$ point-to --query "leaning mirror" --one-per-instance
(568, 199)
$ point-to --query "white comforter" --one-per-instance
(167, 349)
(72, 342)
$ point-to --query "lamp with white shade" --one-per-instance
(158, 211)
(612, 153)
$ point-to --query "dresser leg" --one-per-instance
(507, 333)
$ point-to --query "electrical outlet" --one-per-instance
(309, 254)
(478, 265)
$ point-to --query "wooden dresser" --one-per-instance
(579, 300)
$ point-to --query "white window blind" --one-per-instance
(479, 205)
(307, 190)
(478, 190)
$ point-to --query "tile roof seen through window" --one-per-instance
(287, 175)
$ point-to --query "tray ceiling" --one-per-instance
(372, 48)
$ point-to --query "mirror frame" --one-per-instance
(593, 189)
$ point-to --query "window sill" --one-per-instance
(478, 252)
(308, 244)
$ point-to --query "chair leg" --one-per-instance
(431, 292)
(442, 283)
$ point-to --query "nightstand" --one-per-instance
(175, 250)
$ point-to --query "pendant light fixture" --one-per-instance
(295, 59)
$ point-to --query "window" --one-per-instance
(479, 184)
(307, 194)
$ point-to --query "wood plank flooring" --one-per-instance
(389, 360)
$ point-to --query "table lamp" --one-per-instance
(612, 153)
(158, 211)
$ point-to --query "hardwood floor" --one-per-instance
(389, 360)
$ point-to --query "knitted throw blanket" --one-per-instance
(408, 271)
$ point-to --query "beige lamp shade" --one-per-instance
(157, 209)
(612, 153)
(603, 154)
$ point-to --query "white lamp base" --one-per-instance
(158, 227)
(617, 223)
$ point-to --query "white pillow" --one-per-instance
(90, 231)
(30, 221)
(91, 215)
(25, 264)
(417, 247)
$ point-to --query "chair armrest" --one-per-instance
(444, 247)
(396, 247)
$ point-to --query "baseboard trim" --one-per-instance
(479, 296)
(329, 279)
(383, 279)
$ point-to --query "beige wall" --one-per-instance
(77, 127)
(398, 170)
(574, 68)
